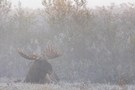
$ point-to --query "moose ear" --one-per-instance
(32, 56)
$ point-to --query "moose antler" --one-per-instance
(34, 56)
(52, 52)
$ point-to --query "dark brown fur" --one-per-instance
(38, 72)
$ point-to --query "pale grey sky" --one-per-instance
(91, 3)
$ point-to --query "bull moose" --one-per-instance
(41, 70)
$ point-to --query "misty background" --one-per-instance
(98, 45)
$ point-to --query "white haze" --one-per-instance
(98, 45)
(91, 3)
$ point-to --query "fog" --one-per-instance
(98, 45)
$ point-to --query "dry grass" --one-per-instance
(63, 86)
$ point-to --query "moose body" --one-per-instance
(38, 71)
(41, 70)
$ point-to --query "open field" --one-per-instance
(63, 86)
(96, 45)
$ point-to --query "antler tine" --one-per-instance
(34, 56)
(52, 52)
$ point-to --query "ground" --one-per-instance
(63, 86)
